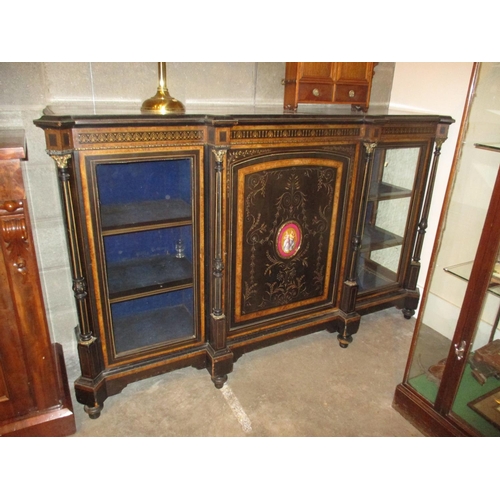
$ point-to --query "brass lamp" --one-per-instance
(162, 102)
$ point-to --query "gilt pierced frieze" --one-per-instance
(287, 221)
(148, 138)
(408, 130)
(302, 133)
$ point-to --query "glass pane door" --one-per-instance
(478, 398)
(388, 206)
(147, 232)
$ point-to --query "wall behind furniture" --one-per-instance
(25, 90)
(433, 88)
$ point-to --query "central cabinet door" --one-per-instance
(147, 252)
(288, 221)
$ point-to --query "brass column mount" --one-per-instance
(162, 102)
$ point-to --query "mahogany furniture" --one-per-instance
(328, 83)
(196, 238)
(451, 385)
(34, 392)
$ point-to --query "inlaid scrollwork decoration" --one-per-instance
(286, 235)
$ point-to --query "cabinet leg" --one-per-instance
(219, 364)
(94, 412)
(219, 381)
(408, 313)
(344, 340)
(347, 328)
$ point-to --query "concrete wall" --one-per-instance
(25, 90)
(433, 88)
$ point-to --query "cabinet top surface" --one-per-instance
(106, 115)
(12, 144)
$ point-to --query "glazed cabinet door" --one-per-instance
(146, 239)
(394, 197)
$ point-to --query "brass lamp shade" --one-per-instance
(162, 102)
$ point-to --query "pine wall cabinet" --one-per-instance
(196, 238)
(328, 83)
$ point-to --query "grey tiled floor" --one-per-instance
(303, 387)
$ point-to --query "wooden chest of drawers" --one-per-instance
(328, 83)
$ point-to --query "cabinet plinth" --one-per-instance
(202, 237)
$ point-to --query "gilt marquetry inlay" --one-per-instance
(430, 130)
(293, 133)
(144, 137)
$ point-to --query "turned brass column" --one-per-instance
(162, 102)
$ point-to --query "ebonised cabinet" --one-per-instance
(196, 238)
(34, 392)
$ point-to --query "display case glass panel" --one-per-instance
(455, 361)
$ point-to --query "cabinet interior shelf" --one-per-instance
(376, 238)
(123, 217)
(148, 328)
(142, 276)
(373, 275)
(464, 270)
(385, 191)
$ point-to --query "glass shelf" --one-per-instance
(146, 218)
(386, 191)
(489, 147)
(141, 276)
(463, 271)
(149, 321)
(375, 238)
(123, 217)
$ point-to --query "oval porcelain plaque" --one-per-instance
(288, 240)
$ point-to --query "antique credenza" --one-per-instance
(196, 238)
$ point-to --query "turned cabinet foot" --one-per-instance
(408, 313)
(219, 381)
(344, 340)
(94, 411)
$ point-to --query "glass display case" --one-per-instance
(452, 379)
